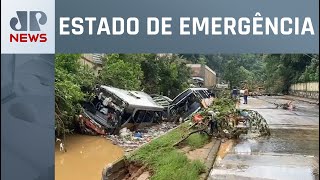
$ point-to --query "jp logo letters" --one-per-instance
(28, 24)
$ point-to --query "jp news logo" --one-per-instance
(29, 24)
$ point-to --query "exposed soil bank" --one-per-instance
(160, 159)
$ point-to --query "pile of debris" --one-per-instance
(131, 140)
(287, 106)
(222, 119)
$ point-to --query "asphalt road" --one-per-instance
(291, 152)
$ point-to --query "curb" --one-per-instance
(212, 157)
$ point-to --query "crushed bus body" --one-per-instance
(114, 108)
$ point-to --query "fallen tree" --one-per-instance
(223, 120)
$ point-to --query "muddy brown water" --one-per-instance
(85, 158)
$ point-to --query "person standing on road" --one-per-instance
(234, 93)
(235, 96)
(245, 96)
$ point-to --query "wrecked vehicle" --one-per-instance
(188, 102)
(113, 109)
(161, 100)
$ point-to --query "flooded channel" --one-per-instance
(85, 157)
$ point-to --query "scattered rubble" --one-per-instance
(113, 108)
(131, 140)
(222, 119)
(288, 106)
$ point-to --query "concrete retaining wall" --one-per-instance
(310, 87)
(305, 94)
(306, 90)
(115, 171)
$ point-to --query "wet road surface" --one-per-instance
(291, 152)
(85, 158)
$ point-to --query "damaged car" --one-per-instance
(114, 108)
(188, 102)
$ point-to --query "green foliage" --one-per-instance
(167, 162)
(175, 165)
(85, 77)
(311, 72)
(67, 62)
(70, 78)
(197, 140)
(275, 72)
(285, 69)
(236, 69)
(169, 75)
(166, 75)
(121, 74)
(232, 73)
(224, 107)
(173, 75)
(151, 71)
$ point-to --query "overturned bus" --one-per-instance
(113, 109)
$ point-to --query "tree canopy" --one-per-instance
(275, 72)
(169, 75)
(71, 78)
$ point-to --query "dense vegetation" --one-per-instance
(274, 72)
(70, 81)
(165, 161)
(282, 70)
(168, 75)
